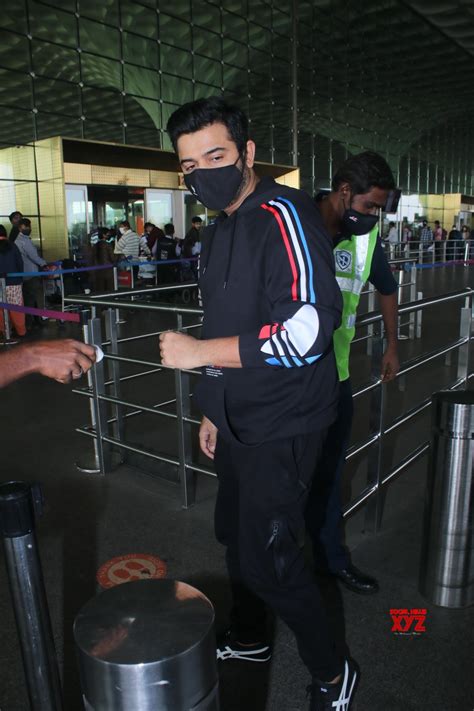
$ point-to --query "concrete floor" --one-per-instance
(89, 519)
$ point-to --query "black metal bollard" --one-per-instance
(20, 502)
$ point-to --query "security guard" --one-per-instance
(360, 188)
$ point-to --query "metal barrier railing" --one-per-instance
(110, 411)
(432, 251)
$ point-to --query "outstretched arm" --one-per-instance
(62, 360)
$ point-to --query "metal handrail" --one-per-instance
(100, 397)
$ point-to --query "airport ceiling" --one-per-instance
(405, 67)
(376, 74)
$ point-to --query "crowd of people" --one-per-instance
(20, 257)
(431, 238)
(124, 245)
(107, 245)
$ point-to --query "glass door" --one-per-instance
(77, 217)
(159, 206)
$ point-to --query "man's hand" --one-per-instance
(207, 437)
(178, 350)
(62, 360)
(390, 364)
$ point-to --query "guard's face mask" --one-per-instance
(26, 231)
(357, 223)
(216, 188)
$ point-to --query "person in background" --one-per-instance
(129, 242)
(11, 261)
(33, 292)
(438, 238)
(465, 237)
(147, 268)
(426, 235)
(153, 235)
(407, 234)
(14, 218)
(104, 254)
(392, 239)
(454, 245)
(60, 360)
(192, 240)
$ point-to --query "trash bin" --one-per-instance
(447, 563)
(148, 645)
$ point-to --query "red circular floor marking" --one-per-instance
(134, 566)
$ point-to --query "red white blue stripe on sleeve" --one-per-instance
(296, 246)
(289, 343)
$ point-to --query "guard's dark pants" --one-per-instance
(260, 519)
(324, 510)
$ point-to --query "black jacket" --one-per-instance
(10, 261)
(267, 276)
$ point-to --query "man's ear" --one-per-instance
(344, 191)
(250, 154)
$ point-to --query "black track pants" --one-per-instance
(260, 519)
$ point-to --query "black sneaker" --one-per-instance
(337, 697)
(229, 648)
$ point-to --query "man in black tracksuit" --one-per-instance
(269, 387)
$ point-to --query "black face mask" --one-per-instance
(357, 223)
(26, 231)
(215, 187)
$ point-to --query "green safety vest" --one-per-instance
(353, 259)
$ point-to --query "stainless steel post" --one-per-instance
(373, 511)
(447, 563)
(91, 465)
(116, 288)
(419, 316)
(100, 406)
(19, 503)
(412, 317)
(464, 350)
(114, 366)
(187, 477)
(370, 308)
(148, 645)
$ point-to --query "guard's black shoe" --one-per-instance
(229, 648)
(335, 697)
(356, 581)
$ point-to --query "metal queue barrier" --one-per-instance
(447, 567)
(432, 252)
(109, 430)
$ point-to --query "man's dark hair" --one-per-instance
(13, 214)
(25, 221)
(197, 219)
(364, 171)
(196, 115)
(125, 223)
(3, 232)
(436, 222)
(169, 228)
(149, 224)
